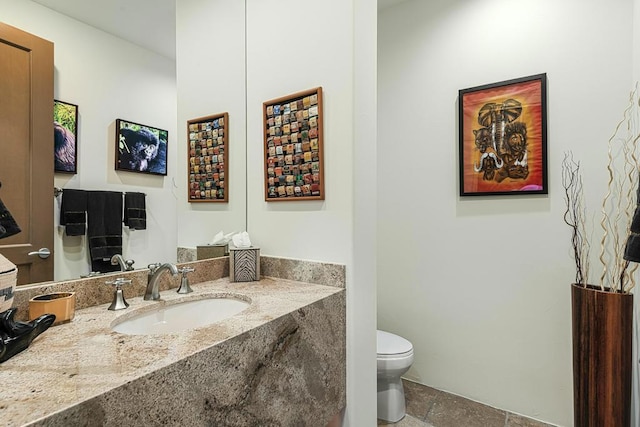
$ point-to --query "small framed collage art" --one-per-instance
(503, 138)
(208, 158)
(293, 139)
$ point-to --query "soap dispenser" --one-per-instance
(184, 281)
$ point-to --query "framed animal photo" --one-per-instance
(65, 137)
(208, 157)
(503, 138)
(293, 140)
(141, 148)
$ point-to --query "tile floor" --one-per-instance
(428, 407)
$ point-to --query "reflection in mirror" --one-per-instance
(124, 80)
(211, 81)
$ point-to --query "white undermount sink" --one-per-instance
(181, 316)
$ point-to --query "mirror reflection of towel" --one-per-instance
(135, 214)
(104, 220)
(8, 225)
(73, 212)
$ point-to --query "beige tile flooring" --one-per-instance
(428, 407)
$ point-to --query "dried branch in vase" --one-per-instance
(619, 252)
(619, 203)
(574, 216)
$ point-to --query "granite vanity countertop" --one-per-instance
(84, 358)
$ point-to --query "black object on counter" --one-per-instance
(16, 336)
(8, 225)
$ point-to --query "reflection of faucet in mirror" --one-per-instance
(125, 264)
(91, 274)
(155, 270)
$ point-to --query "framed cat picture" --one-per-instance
(141, 148)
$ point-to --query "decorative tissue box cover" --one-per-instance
(8, 279)
(244, 264)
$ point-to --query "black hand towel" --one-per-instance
(104, 218)
(8, 225)
(73, 212)
(135, 214)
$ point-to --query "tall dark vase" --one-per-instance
(602, 357)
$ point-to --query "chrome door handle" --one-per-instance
(42, 253)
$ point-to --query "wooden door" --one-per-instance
(26, 149)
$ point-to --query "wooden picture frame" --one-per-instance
(503, 138)
(65, 136)
(141, 148)
(293, 147)
(208, 158)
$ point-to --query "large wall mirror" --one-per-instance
(98, 67)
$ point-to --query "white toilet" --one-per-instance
(395, 356)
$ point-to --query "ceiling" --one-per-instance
(147, 23)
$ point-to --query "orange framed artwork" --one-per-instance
(503, 138)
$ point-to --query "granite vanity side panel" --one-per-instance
(289, 372)
(93, 290)
(319, 273)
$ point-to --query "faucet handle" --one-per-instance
(129, 263)
(118, 282)
(153, 267)
(184, 282)
(118, 303)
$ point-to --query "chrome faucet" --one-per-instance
(125, 264)
(155, 270)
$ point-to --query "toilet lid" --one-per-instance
(389, 343)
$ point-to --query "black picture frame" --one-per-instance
(503, 138)
(65, 137)
(140, 148)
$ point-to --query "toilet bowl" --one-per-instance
(395, 356)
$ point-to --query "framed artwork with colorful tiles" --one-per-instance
(293, 146)
(208, 157)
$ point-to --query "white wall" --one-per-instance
(314, 230)
(210, 41)
(108, 78)
(361, 287)
(635, 398)
(294, 45)
(481, 285)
